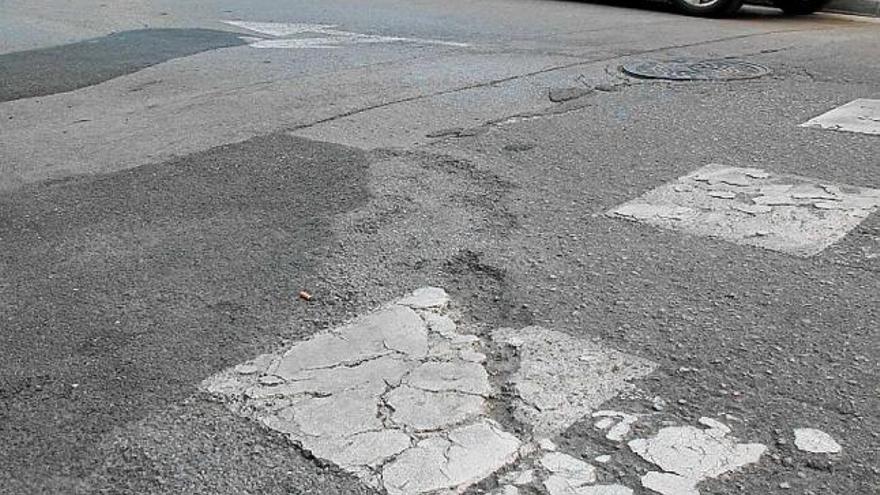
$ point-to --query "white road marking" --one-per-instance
(862, 116)
(815, 441)
(401, 398)
(556, 386)
(619, 431)
(791, 214)
(689, 455)
(282, 36)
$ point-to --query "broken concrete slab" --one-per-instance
(422, 410)
(669, 484)
(861, 116)
(754, 207)
(461, 376)
(395, 329)
(426, 298)
(397, 398)
(617, 423)
(605, 490)
(401, 399)
(568, 475)
(461, 458)
(689, 455)
(815, 441)
(562, 378)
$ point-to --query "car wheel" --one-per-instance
(800, 7)
(708, 8)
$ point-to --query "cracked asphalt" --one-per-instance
(167, 190)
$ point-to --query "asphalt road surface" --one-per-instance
(173, 174)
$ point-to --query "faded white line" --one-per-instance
(751, 206)
(281, 36)
(861, 116)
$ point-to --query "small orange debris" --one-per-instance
(305, 296)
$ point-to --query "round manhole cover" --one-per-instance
(696, 70)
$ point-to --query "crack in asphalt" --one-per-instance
(495, 82)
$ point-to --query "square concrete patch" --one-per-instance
(861, 116)
(753, 207)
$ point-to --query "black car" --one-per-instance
(720, 8)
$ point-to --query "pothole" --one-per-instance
(695, 70)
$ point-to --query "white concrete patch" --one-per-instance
(567, 474)
(524, 477)
(547, 444)
(750, 206)
(286, 35)
(461, 458)
(562, 378)
(815, 441)
(377, 398)
(689, 455)
(604, 490)
(862, 115)
(617, 423)
(401, 399)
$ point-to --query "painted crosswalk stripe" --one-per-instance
(751, 206)
(288, 35)
(862, 116)
(402, 397)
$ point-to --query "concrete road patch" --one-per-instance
(750, 206)
(561, 378)
(815, 441)
(402, 399)
(393, 397)
(688, 455)
(862, 116)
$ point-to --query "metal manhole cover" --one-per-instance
(696, 70)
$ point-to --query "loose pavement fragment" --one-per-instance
(463, 457)
(568, 474)
(618, 431)
(689, 455)
(861, 115)
(423, 410)
(561, 378)
(669, 484)
(426, 298)
(815, 441)
(547, 444)
(605, 490)
(748, 206)
(518, 477)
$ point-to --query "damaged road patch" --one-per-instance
(402, 398)
(753, 207)
(395, 397)
(562, 378)
(688, 455)
(862, 116)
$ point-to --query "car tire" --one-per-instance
(708, 8)
(799, 7)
